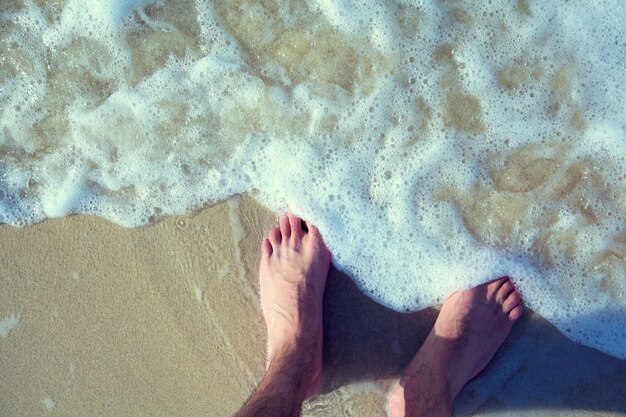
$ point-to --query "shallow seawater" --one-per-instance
(436, 144)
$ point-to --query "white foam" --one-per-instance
(49, 403)
(98, 18)
(8, 324)
(199, 294)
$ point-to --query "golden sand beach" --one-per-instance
(165, 320)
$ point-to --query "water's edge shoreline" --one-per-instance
(164, 319)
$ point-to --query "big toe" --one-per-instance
(504, 291)
(492, 288)
(313, 236)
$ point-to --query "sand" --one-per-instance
(96, 319)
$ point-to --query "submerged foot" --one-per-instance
(293, 270)
(470, 328)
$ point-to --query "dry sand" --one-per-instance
(96, 319)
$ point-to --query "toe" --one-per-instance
(285, 228)
(494, 286)
(313, 230)
(296, 227)
(274, 237)
(512, 301)
(266, 247)
(314, 237)
(516, 313)
(504, 291)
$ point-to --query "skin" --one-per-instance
(294, 266)
(293, 271)
(470, 328)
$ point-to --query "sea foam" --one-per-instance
(436, 145)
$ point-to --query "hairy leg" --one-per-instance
(470, 328)
(293, 271)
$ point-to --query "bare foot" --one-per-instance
(470, 328)
(293, 270)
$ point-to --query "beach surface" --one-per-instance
(97, 319)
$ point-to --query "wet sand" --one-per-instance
(96, 319)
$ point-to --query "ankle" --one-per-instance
(423, 390)
(410, 400)
(436, 357)
(292, 343)
(282, 390)
(293, 360)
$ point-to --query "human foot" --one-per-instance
(293, 270)
(470, 328)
